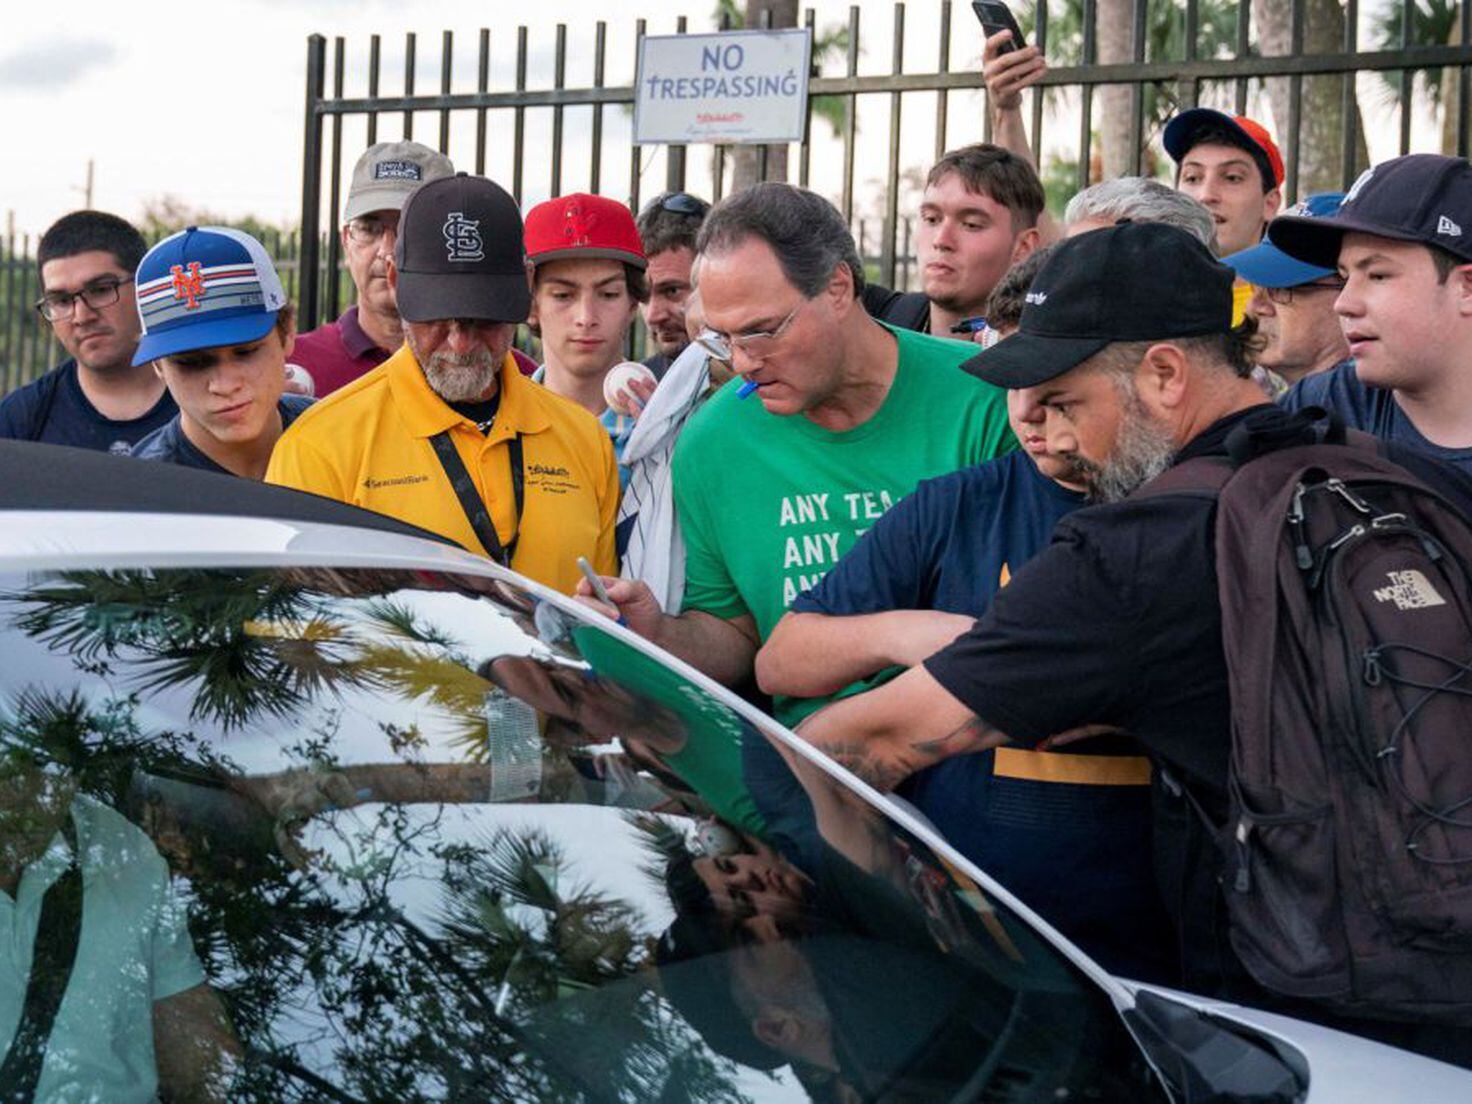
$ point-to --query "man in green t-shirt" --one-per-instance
(836, 417)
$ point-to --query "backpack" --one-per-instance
(1347, 628)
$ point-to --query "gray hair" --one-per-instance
(1141, 199)
(804, 230)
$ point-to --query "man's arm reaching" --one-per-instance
(888, 734)
(811, 655)
(1007, 76)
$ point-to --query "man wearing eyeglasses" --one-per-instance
(370, 330)
(667, 227)
(96, 399)
(836, 418)
(1293, 303)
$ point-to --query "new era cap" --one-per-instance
(1268, 266)
(387, 174)
(582, 225)
(1182, 132)
(459, 253)
(1136, 281)
(1422, 197)
(204, 287)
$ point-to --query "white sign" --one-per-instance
(737, 86)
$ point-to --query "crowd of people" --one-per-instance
(909, 519)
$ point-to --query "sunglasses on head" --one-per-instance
(682, 203)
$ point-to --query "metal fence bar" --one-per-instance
(600, 49)
(1464, 98)
(1295, 102)
(1188, 91)
(850, 114)
(334, 204)
(892, 192)
(559, 81)
(8, 297)
(1086, 95)
(447, 61)
(482, 85)
(1348, 101)
(1139, 17)
(312, 177)
(635, 151)
(410, 51)
(674, 155)
(1407, 79)
(942, 97)
(375, 67)
(805, 150)
(1244, 50)
(519, 125)
(1040, 35)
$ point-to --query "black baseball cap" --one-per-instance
(1422, 197)
(460, 253)
(1134, 281)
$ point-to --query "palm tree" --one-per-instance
(1433, 22)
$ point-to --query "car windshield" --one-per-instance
(304, 834)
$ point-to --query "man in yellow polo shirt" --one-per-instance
(447, 433)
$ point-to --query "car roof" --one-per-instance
(36, 476)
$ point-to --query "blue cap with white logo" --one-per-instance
(1268, 266)
(204, 287)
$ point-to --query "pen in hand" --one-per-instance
(599, 590)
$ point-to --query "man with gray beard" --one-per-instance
(447, 433)
(1126, 347)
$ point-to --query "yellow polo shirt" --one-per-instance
(369, 444)
(1241, 297)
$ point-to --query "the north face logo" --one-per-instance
(1409, 590)
(1446, 226)
(462, 238)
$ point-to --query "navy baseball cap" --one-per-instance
(1422, 197)
(1268, 266)
(1134, 281)
(204, 287)
(1182, 132)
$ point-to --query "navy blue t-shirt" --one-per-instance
(54, 409)
(168, 443)
(1068, 833)
(1371, 409)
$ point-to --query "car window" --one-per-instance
(349, 835)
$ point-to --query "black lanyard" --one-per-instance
(58, 931)
(470, 500)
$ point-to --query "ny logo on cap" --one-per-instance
(1354, 189)
(462, 238)
(188, 285)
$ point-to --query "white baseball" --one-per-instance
(299, 381)
(618, 379)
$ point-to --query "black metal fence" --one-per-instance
(1117, 67)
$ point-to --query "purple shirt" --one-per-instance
(336, 353)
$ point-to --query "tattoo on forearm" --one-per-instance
(866, 759)
(973, 734)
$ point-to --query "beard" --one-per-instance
(1143, 449)
(457, 377)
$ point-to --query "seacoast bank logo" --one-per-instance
(554, 471)
(371, 484)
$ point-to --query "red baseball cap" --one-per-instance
(582, 225)
(1181, 135)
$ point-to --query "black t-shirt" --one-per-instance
(54, 409)
(1118, 622)
(907, 310)
(483, 414)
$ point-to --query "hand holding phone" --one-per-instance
(996, 17)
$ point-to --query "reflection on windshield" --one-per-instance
(383, 835)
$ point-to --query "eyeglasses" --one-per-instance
(1283, 296)
(367, 231)
(58, 305)
(757, 346)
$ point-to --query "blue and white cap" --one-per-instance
(1268, 266)
(204, 287)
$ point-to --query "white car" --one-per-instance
(358, 816)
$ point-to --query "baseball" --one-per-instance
(615, 385)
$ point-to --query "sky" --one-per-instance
(146, 102)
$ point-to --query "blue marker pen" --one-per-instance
(746, 389)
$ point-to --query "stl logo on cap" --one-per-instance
(188, 285)
(462, 238)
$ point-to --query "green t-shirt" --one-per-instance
(768, 504)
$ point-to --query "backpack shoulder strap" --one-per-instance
(1205, 475)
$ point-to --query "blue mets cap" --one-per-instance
(1268, 266)
(204, 287)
